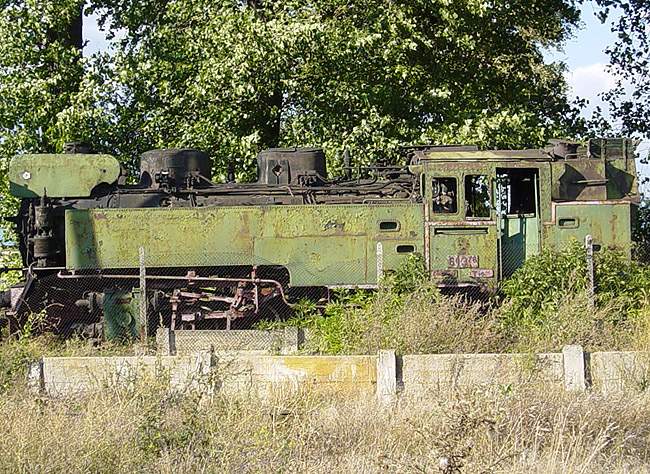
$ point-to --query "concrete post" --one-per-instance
(575, 379)
(290, 336)
(204, 363)
(36, 377)
(386, 377)
(165, 342)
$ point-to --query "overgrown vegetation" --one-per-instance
(146, 428)
(543, 306)
(548, 303)
(30, 344)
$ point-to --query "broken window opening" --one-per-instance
(477, 196)
(517, 191)
(444, 195)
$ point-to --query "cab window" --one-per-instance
(517, 191)
(477, 196)
(444, 195)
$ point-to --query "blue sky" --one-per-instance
(584, 54)
(588, 76)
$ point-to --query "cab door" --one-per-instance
(460, 226)
(518, 216)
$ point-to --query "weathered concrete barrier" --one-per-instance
(386, 374)
(265, 374)
(250, 374)
(618, 371)
(70, 375)
(442, 372)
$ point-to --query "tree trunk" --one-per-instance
(271, 131)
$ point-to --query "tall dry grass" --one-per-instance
(147, 429)
(425, 322)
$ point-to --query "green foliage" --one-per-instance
(641, 232)
(409, 276)
(406, 313)
(15, 357)
(40, 71)
(233, 77)
(18, 352)
(543, 280)
(9, 258)
(629, 57)
(548, 278)
(544, 305)
(548, 305)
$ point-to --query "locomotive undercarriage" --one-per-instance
(177, 298)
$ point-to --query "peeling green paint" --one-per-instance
(64, 175)
(319, 245)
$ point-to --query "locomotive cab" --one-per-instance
(487, 212)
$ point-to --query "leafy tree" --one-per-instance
(40, 71)
(630, 60)
(232, 77)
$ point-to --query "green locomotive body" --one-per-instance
(222, 252)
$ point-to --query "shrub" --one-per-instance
(547, 301)
(406, 313)
(545, 305)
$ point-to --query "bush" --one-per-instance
(545, 305)
(547, 301)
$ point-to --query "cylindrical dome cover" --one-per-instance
(178, 163)
(285, 165)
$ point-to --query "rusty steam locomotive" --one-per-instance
(179, 250)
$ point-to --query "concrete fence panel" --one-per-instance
(264, 374)
(387, 375)
(424, 373)
(70, 375)
(619, 371)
